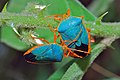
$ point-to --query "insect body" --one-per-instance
(50, 52)
(73, 32)
(44, 53)
(72, 29)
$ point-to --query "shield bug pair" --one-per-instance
(50, 52)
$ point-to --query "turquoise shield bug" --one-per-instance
(44, 53)
(50, 52)
(73, 33)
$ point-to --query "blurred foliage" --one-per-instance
(27, 20)
(98, 7)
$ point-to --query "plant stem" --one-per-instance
(30, 21)
(103, 71)
(104, 29)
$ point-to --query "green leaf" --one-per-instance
(9, 37)
(60, 7)
(15, 8)
(73, 73)
(60, 71)
(56, 7)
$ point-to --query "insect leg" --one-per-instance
(71, 53)
(60, 17)
(67, 14)
(31, 49)
(54, 31)
(91, 38)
